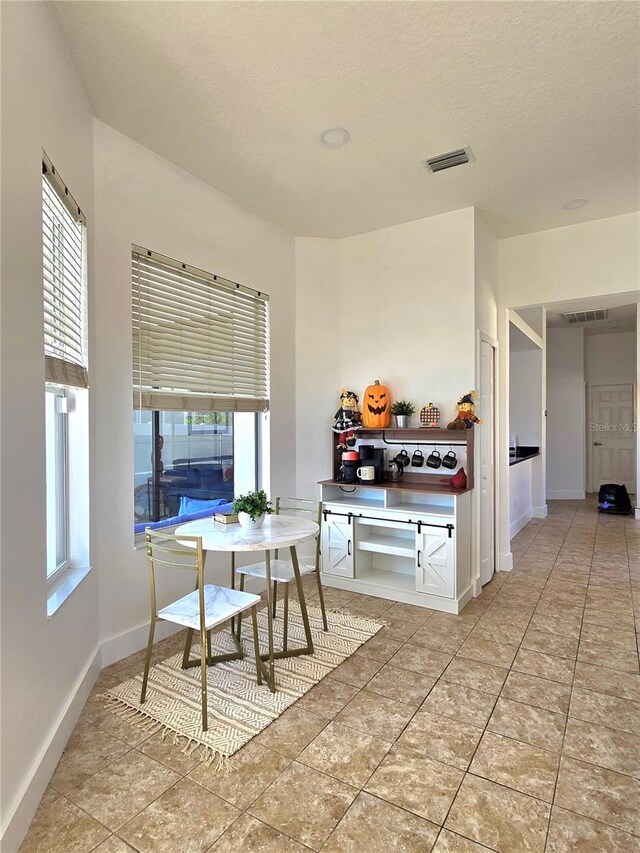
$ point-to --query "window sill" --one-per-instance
(62, 587)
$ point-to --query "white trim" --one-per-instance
(61, 587)
(569, 495)
(505, 562)
(539, 511)
(485, 337)
(525, 328)
(21, 811)
(517, 525)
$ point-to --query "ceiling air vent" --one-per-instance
(586, 316)
(449, 160)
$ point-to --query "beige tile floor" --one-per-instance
(512, 727)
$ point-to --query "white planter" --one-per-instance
(245, 520)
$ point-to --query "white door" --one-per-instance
(612, 437)
(485, 436)
(435, 562)
(337, 547)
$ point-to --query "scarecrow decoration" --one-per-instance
(465, 417)
(347, 419)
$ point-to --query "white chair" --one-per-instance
(201, 610)
(281, 571)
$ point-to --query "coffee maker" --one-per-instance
(370, 455)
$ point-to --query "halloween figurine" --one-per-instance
(376, 406)
(347, 419)
(465, 417)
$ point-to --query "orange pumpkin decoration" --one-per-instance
(376, 406)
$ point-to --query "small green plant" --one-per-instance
(253, 503)
(403, 407)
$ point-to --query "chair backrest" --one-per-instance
(166, 550)
(302, 507)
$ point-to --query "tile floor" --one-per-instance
(512, 727)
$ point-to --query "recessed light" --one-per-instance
(334, 137)
(575, 203)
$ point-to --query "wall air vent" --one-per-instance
(586, 316)
(448, 160)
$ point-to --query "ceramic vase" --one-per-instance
(245, 520)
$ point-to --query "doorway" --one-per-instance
(487, 507)
(611, 436)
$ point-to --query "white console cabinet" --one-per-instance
(401, 543)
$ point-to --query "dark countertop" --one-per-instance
(523, 453)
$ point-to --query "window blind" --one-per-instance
(200, 342)
(63, 262)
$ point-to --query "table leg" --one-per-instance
(301, 599)
(272, 676)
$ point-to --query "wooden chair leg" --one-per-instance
(147, 662)
(203, 677)
(325, 627)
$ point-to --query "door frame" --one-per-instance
(589, 452)
(485, 337)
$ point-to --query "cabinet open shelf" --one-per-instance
(397, 546)
(402, 581)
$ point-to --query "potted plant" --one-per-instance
(252, 508)
(402, 411)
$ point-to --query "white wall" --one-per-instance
(43, 660)
(610, 358)
(318, 359)
(403, 313)
(141, 198)
(525, 396)
(566, 414)
(591, 259)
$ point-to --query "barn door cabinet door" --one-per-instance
(435, 562)
(337, 547)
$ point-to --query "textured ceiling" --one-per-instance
(236, 93)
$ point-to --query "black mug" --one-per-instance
(417, 460)
(348, 472)
(434, 460)
(450, 460)
(403, 458)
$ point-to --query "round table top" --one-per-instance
(277, 531)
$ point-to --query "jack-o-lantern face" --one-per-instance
(376, 409)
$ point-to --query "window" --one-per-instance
(66, 377)
(56, 480)
(200, 368)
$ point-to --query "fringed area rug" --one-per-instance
(238, 708)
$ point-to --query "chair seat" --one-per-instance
(281, 570)
(220, 605)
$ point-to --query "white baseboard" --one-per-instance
(21, 811)
(637, 513)
(539, 511)
(569, 495)
(505, 562)
(517, 525)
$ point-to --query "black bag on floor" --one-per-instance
(614, 499)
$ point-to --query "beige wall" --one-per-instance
(44, 661)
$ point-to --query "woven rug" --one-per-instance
(238, 708)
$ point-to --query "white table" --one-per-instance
(277, 531)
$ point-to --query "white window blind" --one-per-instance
(63, 262)
(200, 342)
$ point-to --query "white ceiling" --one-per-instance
(546, 94)
(621, 318)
